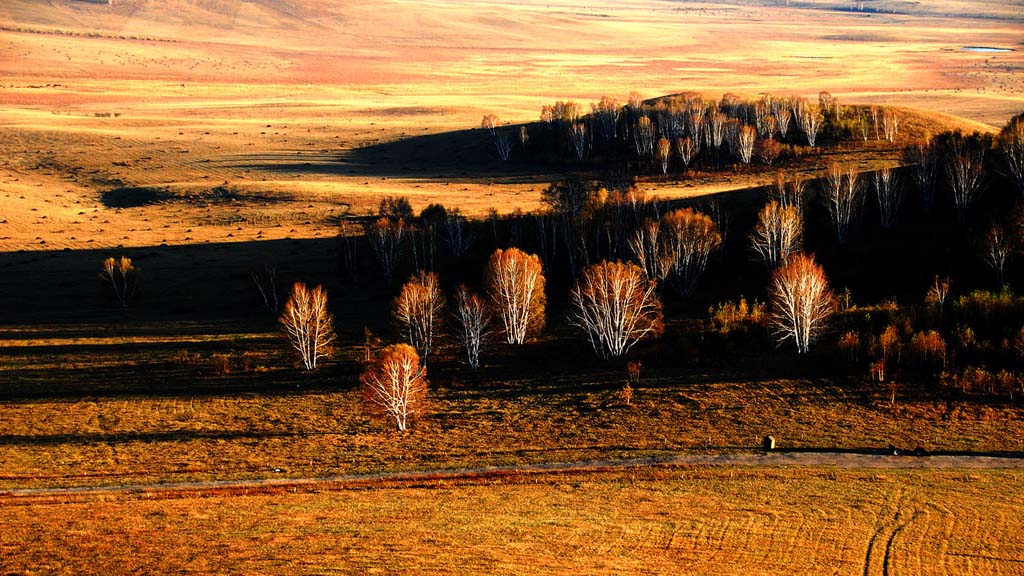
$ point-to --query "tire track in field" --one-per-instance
(881, 528)
(887, 558)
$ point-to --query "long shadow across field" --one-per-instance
(459, 156)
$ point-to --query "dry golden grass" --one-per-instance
(279, 106)
(664, 521)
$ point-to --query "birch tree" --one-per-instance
(648, 251)
(606, 114)
(395, 385)
(266, 283)
(418, 309)
(308, 324)
(809, 119)
(579, 137)
(689, 239)
(890, 125)
(802, 302)
(644, 137)
(616, 305)
(503, 144)
(889, 194)
(964, 173)
(515, 282)
(745, 140)
(490, 122)
(1011, 145)
(923, 166)
(472, 319)
(122, 277)
(842, 197)
(777, 234)
(687, 150)
(385, 236)
(997, 249)
(664, 152)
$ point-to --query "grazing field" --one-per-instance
(652, 521)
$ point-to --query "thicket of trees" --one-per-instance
(689, 130)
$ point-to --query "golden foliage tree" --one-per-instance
(801, 301)
(515, 283)
(616, 305)
(122, 276)
(418, 309)
(395, 385)
(308, 324)
(689, 239)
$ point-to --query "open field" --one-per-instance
(103, 99)
(662, 520)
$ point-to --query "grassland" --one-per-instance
(652, 521)
(205, 141)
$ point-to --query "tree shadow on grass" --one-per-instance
(460, 156)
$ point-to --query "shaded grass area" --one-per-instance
(205, 410)
(662, 520)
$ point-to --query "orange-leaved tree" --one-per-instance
(418, 310)
(801, 301)
(689, 239)
(515, 283)
(308, 324)
(395, 385)
(616, 305)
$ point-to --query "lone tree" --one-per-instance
(616, 305)
(122, 277)
(472, 320)
(690, 237)
(395, 385)
(777, 234)
(515, 283)
(801, 302)
(308, 325)
(418, 310)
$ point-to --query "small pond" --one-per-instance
(985, 49)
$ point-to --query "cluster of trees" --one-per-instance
(688, 129)
(616, 255)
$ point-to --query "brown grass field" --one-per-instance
(646, 521)
(206, 138)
